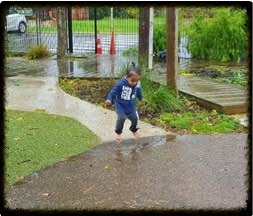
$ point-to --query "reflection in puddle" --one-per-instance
(131, 148)
(95, 66)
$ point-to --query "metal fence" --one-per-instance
(82, 25)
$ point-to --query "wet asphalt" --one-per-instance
(190, 172)
(159, 171)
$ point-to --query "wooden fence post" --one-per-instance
(172, 47)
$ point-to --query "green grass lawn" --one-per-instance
(35, 140)
(87, 26)
(124, 25)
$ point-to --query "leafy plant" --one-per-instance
(133, 51)
(101, 12)
(212, 33)
(159, 38)
(119, 12)
(159, 34)
(159, 98)
(133, 12)
(238, 78)
(220, 35)
(237, 75)
(37, 51)
(200, 122)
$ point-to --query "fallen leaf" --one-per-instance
(106, 167)
(21, 178)
(45, 194)
(20, 119)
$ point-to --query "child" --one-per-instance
(124, 93)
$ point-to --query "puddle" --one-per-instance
(130, 146)
(105, 65)
(90, 66)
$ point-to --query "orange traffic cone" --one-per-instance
(112, 46)
(98, 44)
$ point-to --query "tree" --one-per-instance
(61, 32)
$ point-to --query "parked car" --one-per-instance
(15, 21)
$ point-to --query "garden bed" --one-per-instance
(186, 119)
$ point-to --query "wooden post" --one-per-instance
(172, 47)
(61, 32)
(150, 43)
(143, 36)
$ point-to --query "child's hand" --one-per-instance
(108, 102)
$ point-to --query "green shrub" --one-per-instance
(159, 38)
(37, 51)
(101, 12)
(159, 98)
(133, 12)
(220, 35)
(133, 51)
(213, 33)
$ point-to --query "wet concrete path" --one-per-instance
(31, 93)
(191, 172)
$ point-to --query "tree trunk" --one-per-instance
(61, 32)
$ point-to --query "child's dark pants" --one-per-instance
(121, 120)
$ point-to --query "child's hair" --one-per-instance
(133, 69)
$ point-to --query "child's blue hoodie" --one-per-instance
(124, 96)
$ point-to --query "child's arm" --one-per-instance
(112, 94)
(139, 92)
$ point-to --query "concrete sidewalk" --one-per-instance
(31, 93)
(153, 173)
